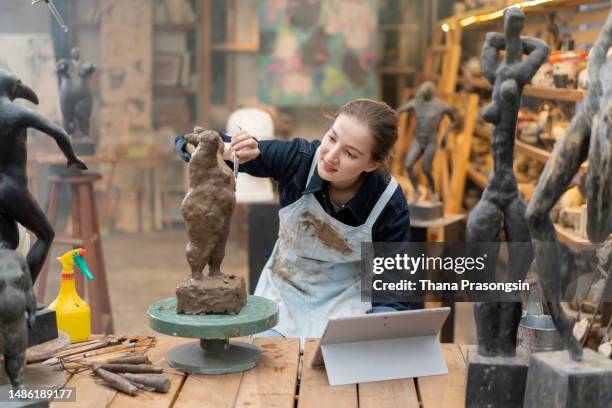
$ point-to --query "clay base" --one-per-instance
(555, 380)
(211, 295)
(495, 381)
(426, 210)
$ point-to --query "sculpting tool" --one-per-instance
(236, 161)
(54, 12)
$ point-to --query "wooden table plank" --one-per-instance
(315, 391)
(157, 355)
(212, 391)
(273, 382)
(445, 391)
(89, 393)
(393, 393)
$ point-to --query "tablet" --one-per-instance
(382, 346)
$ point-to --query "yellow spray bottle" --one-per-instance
(73, 314)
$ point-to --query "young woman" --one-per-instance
(334, 194)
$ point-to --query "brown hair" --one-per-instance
(381, 120)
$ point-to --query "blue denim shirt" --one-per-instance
(288, 162)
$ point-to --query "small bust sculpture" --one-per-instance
(17, 313)
(75, 96)
(429, 111)
(207, 209)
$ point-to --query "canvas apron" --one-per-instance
(313, 272)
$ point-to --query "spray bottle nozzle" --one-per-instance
(70, 258)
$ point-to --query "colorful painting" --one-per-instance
(317, 52)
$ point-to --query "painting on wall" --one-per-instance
(317, 52)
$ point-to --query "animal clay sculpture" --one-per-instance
(589, 137)
(497, 322)
(17, 301)
(16, 202)
(429, 111)
(207, 209)
(75, 96)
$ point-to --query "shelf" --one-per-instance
(537, 153)
(567, 95)
(489, 14)
(483, 131)
(174, 90)
(568, 236)
(557, 94)
(478, 178)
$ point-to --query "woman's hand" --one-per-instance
(244, 146)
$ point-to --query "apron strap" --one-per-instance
(382, 202)
(313, 165)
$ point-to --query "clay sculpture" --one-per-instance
(429, 111)
(589, 137)
(501, 204)
(17, 313)
(75, 96)
(207, 209)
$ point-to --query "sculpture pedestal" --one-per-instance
(495, 381)
(555, 380)
(211, 294)
(45, 327)
(426, 210)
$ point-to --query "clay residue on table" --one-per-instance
(326, 233)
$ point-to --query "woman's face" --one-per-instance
(346, 151)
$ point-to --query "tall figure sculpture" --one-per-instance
(16, 202)
(589, 136)
(429, 111)
(501, 204)
(75, 96)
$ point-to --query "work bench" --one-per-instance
(283, 378)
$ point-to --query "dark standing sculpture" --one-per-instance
(497, 322)
(17, 313)
(589, 136)
(429, 111)
(16, 202)
(75, 96)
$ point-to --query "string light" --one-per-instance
(494, 15)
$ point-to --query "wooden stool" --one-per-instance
(85, 234)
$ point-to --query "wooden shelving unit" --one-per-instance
(558, 94)
(568, 236)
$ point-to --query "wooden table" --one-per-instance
(282, 377)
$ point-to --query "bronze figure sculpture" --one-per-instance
(75, 96)
(429, 111)
(589, 136)
(207, 209)
(501, 204)
(17, 313)
(17, 205)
